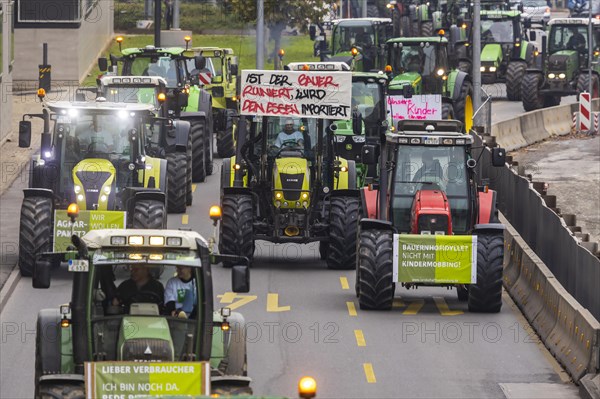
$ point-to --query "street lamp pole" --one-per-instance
(476, 70)
(260, 34)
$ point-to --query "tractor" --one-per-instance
(565, 64)
(185, 98)
(356, 41)
(429, 223)
(506, 54)
(422, 65)
(95, 157)
(223, 86)
(167, 141)
(110, 325)
(369, 100)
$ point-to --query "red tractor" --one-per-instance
(428, 222)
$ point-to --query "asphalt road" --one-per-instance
(303, 319)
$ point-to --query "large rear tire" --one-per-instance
(178, 185)
(375, 283)
(463, 106)
(189, 194)
(197, 131)
(372, 11)
(35, 233)
(405, 29)
(225, 142)
(464, 66)
(62, 390)
(149, 214)
(447, 111)
(583, 84)
(236, 236)
(514, 76)
(427, 29)
(486, 294)
(343, 223)
(530, 92)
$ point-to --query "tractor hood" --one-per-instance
(94, 184)
(563, 60)
(406, 78)
(492, 54)
(145, 339)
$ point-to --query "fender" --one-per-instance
(461, 77)
(182, 132)
(354, 193)
(63, 377)
(369, 202)
(38, 192)
(376, 224)
(132, 194)
(154, 195)
(188, 115)
(48, 339)
(487, 207)
(345, 180)
(236, 191)
(488, 227)
(226, 173)
(43, 176)
(229, 380)
(535, 70)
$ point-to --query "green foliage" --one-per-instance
(286, 12)
(297, 49)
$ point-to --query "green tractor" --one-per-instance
(223, 68)
(429, 223)
(94, 157)
(171, 142)
(357, 41)
(104, 340)
(185, 99)
(289, 190)
(422, 65)
(565, 61)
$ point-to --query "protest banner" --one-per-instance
(423, 107)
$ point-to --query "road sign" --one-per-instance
(204, 78)
(585, 111)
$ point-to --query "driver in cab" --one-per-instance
(140, 287)
(289, 135)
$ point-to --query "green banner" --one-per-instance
(86, 221)
(438, 259)
(127, 380)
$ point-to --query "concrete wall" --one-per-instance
(70, 51)
(6, 72)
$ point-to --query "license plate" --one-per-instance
(79, 265)
(432, 141)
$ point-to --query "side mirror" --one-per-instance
(312, 32)
(41, 274)
(24, 134)
(498, 156)
(532, 35)
(357, 123)
(103, 64)
(240, 279)
(199, 62)
(368, 155)
(407, 91)
(233, 69)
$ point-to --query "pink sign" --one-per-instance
(423, 107)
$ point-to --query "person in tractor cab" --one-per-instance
(140, 287)
(289, 135)
(576, 41)
(180, 294)
(430, 171)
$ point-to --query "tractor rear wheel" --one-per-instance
(225, 145)
(62, 390)
(514, 75)
(486, 294)
(236, 236)
(197, 131)
(149, 214)
(375, 268)
(35, 233)
(463, 106)
(447, 111)
(189, 196)
(464, 66)
(343, 223)
(208, 151)
(372, 11)
(427, 29)
(583, 84)
(530, 91)
(177, 186)
(405, 30)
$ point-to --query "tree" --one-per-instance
(278, 14)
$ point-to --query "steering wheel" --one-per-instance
(96, 147)
(146, 297)
(288, 145)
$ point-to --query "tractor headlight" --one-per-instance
(80, 197)
(358, 139)
(277, 204)
(174, 241)
(551, 76)
(103, 198)
(340, 139)
(278, 195)
(107, 190)
(157, 241)
(304, 196)
(136, 240)
(77, 189)
(305, 204)
(492, 69)
(440, 72)
(562, 76)
(482, 69)
(118, 240)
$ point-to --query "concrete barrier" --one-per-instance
(508, 133)
(532, 127)
(557, 120)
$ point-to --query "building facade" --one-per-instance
(6, 67)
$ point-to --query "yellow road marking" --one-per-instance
(360, 338)
(443, 307)
(351, 308)
(273, 304)
(193, 188)
(398, 303)
(344, 283)
(230, 297)
(368, 367)
(414, 307)
(185, 219)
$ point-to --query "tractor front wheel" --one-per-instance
(35, 234)
(197, 131)
(514, 76)
(236, 236)
(530, 91)
(225, 142)
(583, 84)
(63, 390)
(149, 214)
(177, 186)
(375, 268)
(486, 294)
(427, 29)
(343, 223)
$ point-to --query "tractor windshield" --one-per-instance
(133, 302)
(414, 57)
(356, 34)
(213, 65)
(430, 168)
(290, 132)
(164, 67)
(568, 37)
(497, 31)
(367, 97)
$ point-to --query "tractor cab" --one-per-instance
(568, 44)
